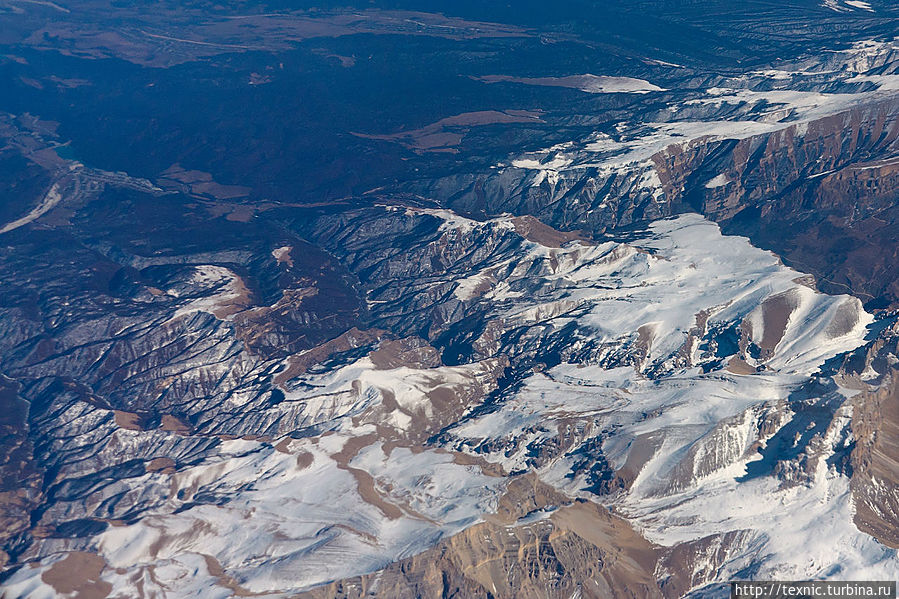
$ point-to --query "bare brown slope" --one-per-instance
(581, 549)
(875, 488)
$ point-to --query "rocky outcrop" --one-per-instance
(818, 192)
(820, 195)
(580, 549)
(875, 461)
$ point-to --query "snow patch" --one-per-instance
(717, 181)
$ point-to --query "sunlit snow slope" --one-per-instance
(683, 350)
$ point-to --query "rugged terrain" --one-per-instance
(447, 300)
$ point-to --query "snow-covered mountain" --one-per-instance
(630, 334)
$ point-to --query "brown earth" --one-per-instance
(297, 364)
(411, 352)
(532, 229)
(580, 550)
(78, 573)
(448, 132)
(875, 458)
(776, 311)
(173, 34)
